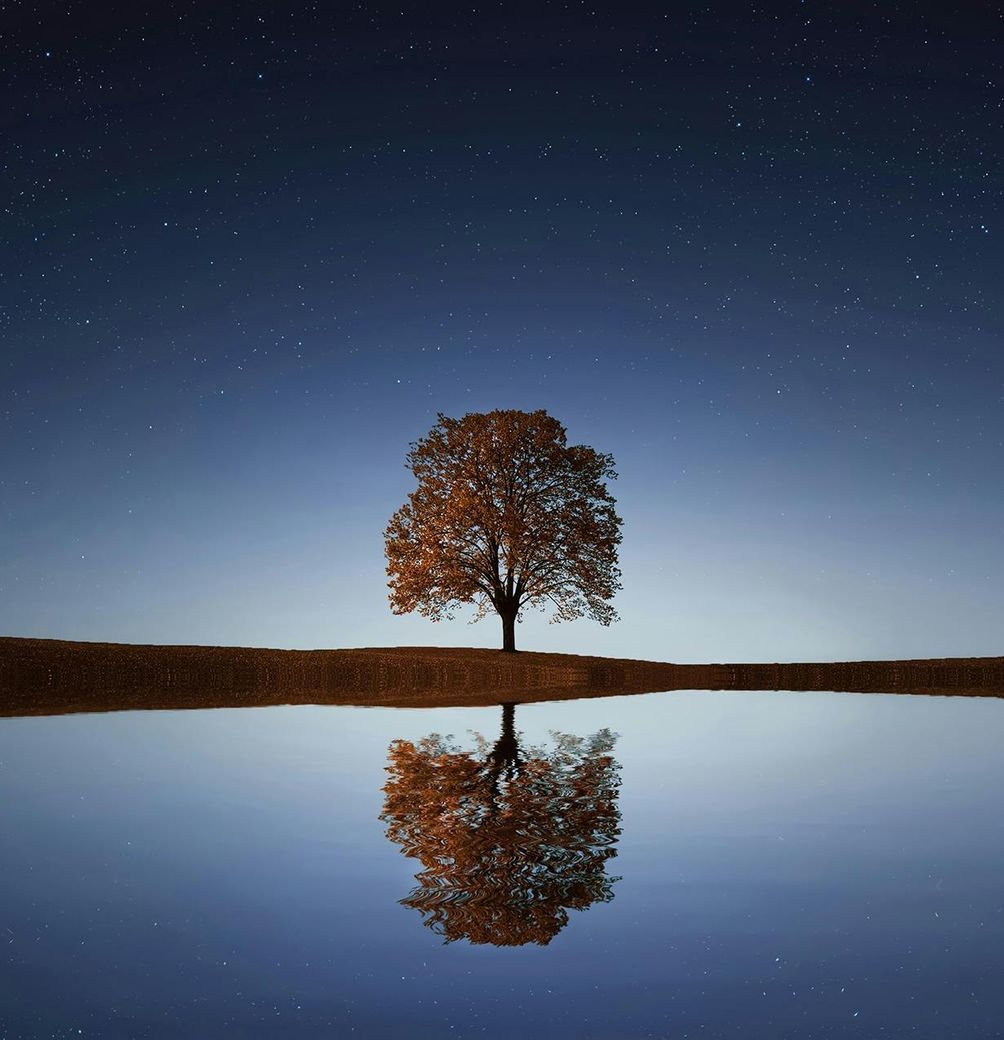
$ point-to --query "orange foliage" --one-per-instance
(506, 515)
(508, 843)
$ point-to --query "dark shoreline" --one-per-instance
(52, 677)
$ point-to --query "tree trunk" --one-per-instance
(509, 632)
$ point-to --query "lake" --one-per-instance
(683, 864)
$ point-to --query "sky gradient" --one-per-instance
(754, 253)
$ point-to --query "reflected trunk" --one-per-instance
(505, 754)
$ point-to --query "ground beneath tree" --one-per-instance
(50, 676)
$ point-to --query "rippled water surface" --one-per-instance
(668, 865)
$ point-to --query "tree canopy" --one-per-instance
(506, 515)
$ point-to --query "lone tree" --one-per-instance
(506, 515)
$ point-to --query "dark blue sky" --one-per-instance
(754, 252)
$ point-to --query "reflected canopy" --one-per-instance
(509, 839)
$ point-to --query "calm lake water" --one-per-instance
(713, 865)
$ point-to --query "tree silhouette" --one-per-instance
(509, 841)
(506, 515)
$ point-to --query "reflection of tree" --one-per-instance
(509, 839)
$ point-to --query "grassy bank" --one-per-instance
(49, 676)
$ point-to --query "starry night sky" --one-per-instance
(753, 252)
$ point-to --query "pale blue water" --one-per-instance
(788, 865)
